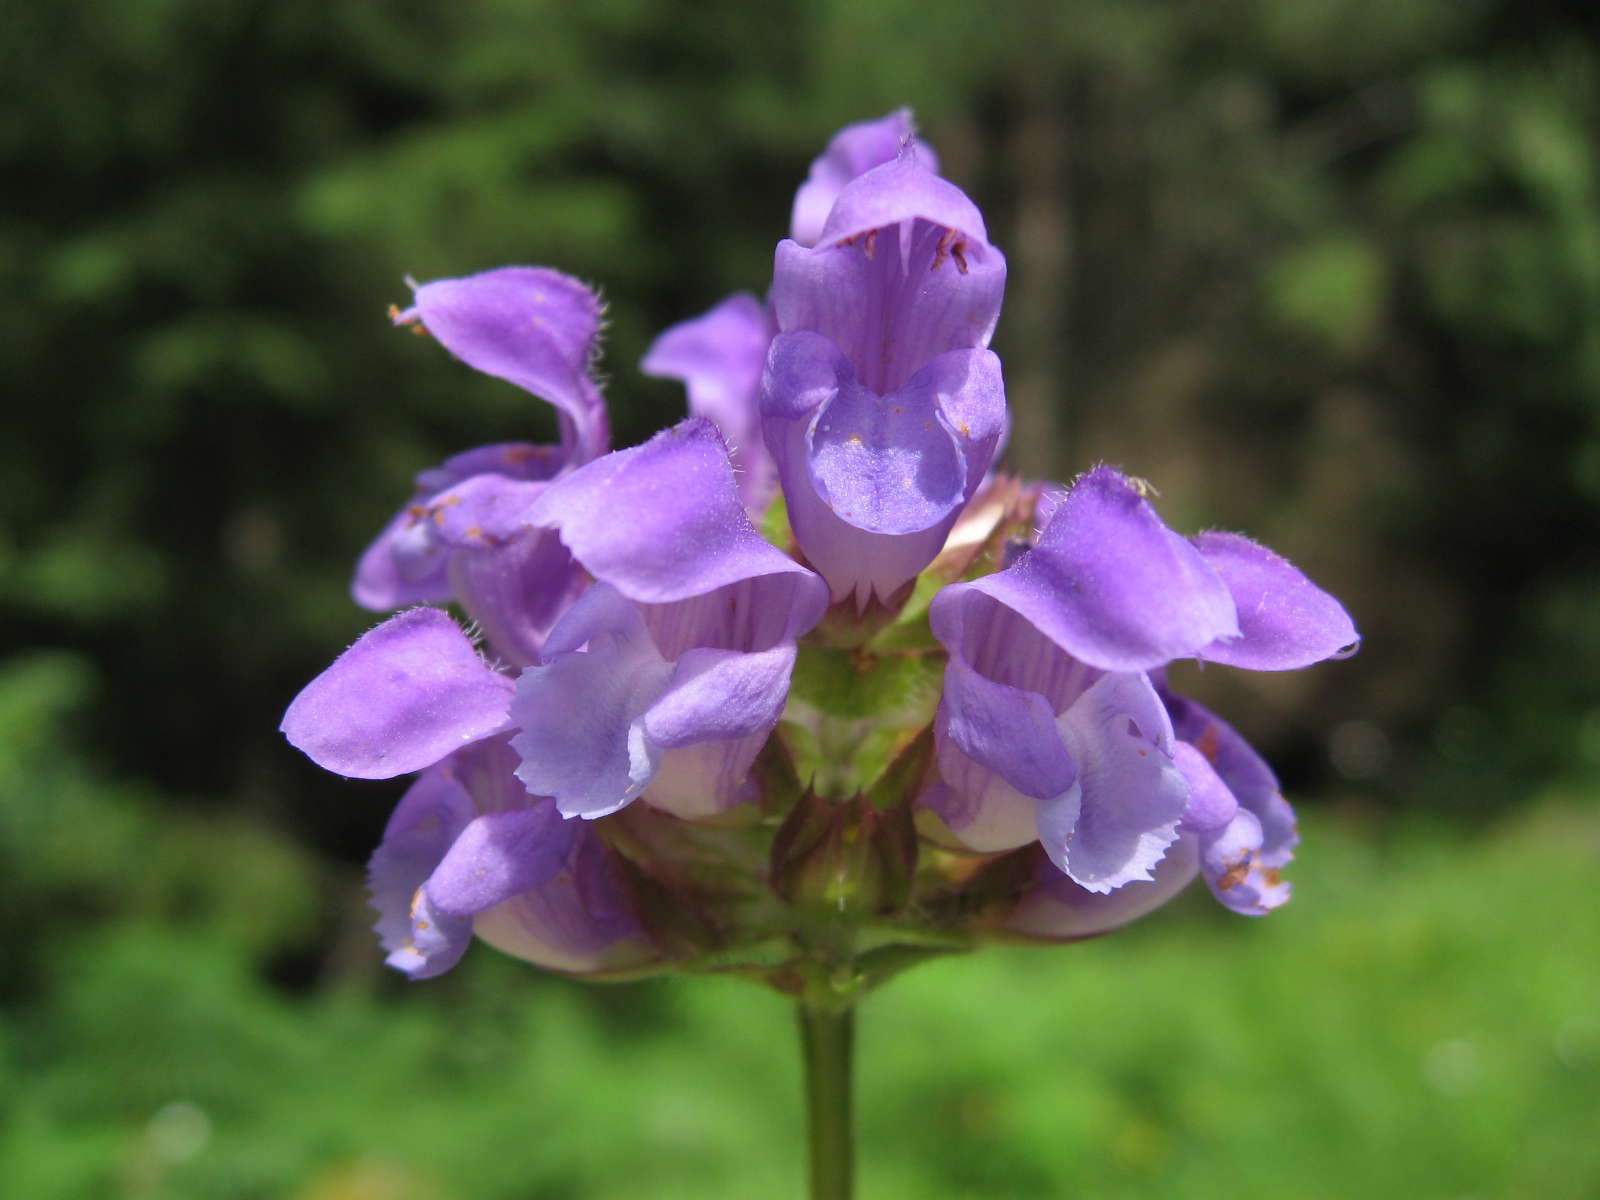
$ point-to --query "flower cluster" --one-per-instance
(803, 680)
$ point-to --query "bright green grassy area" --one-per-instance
(1423, 1021)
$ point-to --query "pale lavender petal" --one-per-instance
(1231, 862)
(854, 150)
(717, 695)
(405, 695)
(983, 810)
(427, 820)
(702, 779)
(1285, 620)
(719, 356)
(1059, 909)
(1111, 585)
(437, 940)
(531, 326)
(499, 855)
(1117, 821)
(581, 736)
(662, 521)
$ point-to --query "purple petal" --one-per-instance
(981, 808)
(873, 484)
(408, 562)
(1285, 620)
(1211, 805)
(1244, 772)
(662, 522)
(1059, 909)
(516, 592)
(719, 356)
(1111, 585)
(405, 565)
(400, 699)
(717, 695)
(1005, 730)
(1231, 863)
(703, 779)
(854, 150)
(500, 855)
(428, 819)
(582, 920)
(892, 301)
(907, 188)
(581, 735)
(531, 326)
(1117, 821)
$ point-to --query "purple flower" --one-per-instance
(1050, 726)
(667, 677)
(662, 681)
(468, 851)
(853, 151)
(880, 405)
(461, 536)
(720, 354)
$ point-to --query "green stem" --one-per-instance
(827, 1044)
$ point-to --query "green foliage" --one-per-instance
(1328, 272)
(1403, 1029)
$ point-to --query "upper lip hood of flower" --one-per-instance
(905, 189)
(851, 152)
(530, 326)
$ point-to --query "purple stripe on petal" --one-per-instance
(405, 695)
(1285, 620)
(891, 302)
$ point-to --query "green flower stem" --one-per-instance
(827, 1047)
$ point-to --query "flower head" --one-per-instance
(673, 744)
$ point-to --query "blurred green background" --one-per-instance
(1327, 271)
